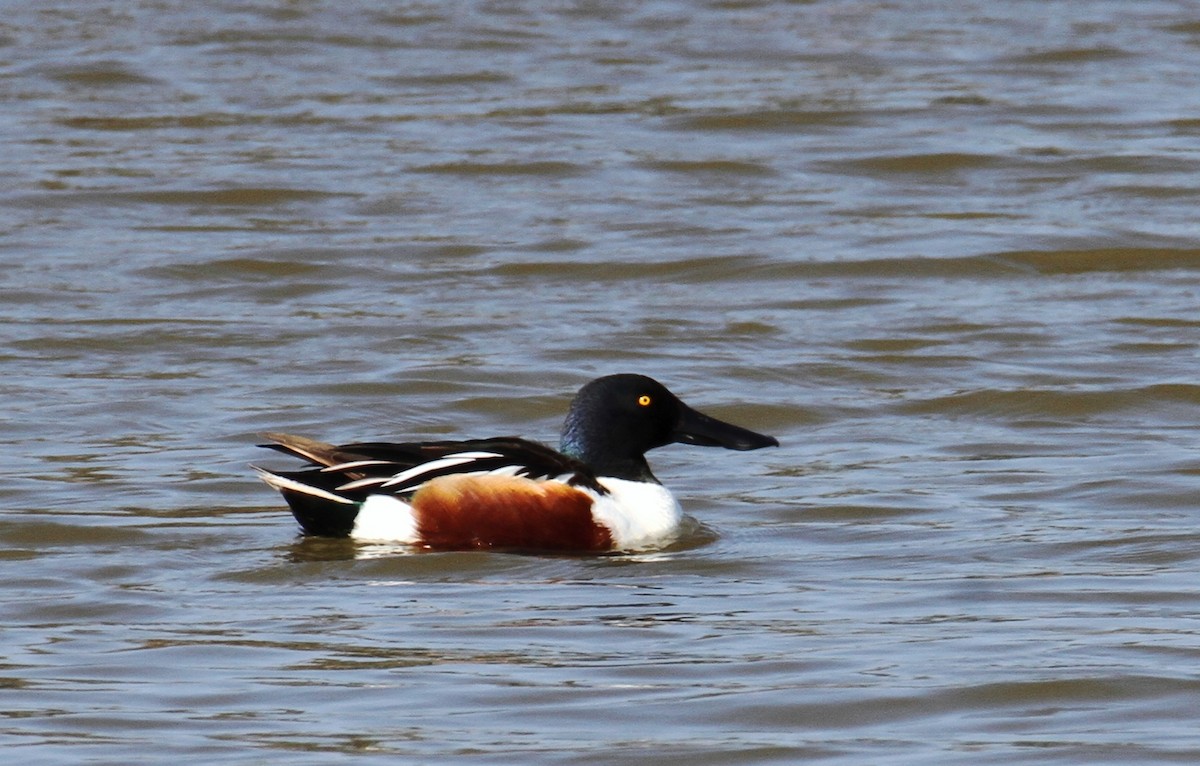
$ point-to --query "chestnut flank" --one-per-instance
(475, 512)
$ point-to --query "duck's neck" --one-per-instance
(605, 458)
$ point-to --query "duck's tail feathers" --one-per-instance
(318, 511)
(315, 452)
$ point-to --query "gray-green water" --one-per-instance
(947, 252)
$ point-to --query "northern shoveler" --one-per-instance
(597, 494)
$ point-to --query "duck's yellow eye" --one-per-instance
(644, 400)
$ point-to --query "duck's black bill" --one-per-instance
(705, 431)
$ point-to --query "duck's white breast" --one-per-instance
(638, 514)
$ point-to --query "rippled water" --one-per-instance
(946, 252)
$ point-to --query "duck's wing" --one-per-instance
(355, 471)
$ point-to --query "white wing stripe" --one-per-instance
(352, 465)
(282, 483)
(508, 470)
(361, 484)
(449, 461)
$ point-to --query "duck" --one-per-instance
(596, 493)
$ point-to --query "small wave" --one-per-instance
(547, 168)
(1105, 259)
(1055, 404)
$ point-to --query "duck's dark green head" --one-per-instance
(615, 420)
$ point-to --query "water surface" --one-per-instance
(946, 252)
